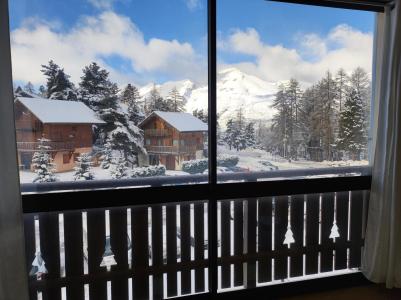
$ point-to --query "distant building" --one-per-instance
(67, 124)
(173, 137)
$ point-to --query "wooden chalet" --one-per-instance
(173, 137)
(66, 124)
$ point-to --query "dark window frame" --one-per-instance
(212, 191)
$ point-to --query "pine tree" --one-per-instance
(42, 162)
(95, 86)
(155, 102)
(119, 168)
(83, 167)
(42, 91)
(29, 88)
(131, 97)
(280, 122)
(107, 156)
(229, 134)
(175, 101)
(352, 135)
(342, 86)
(58, 85)
(201, 115)
(250, 137)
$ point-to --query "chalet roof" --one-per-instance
(60, 111)
(183, 122)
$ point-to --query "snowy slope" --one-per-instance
(235, 89)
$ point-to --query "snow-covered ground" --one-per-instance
(249, 161)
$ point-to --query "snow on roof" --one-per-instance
(183, 122)
(60, 111)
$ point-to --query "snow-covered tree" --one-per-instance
(58, 85)
(95, 86)
(83, 167)
(42, 91)
(130, 96)
(250, 137)
(175, 102)
(201, 115)
(119, 169)
(155, 102)
(229, 134)
(342, 82)
(42, 162)
(352, 134)
(29, 88)
(107, 156)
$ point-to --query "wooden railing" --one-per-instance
(162, 250)
(54, 146)
(158, 132)
(171, 149)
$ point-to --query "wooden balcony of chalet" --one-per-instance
(158, 132)
(172, 149)
(54, 146)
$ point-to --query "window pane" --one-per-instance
(293, 89)
(105, 90)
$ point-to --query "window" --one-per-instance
(293, 88)
(109, 101)
(66, 158)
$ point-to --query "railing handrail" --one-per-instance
(171, 149)
(191, 179)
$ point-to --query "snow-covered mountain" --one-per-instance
(235, 90)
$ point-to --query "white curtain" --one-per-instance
(381, 261)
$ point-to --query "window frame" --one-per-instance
(43, 201)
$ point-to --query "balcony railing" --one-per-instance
(171, 149)
(54, 146)
(158, 132)
(133, 252)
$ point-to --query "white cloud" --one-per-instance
(193, 4)
(94, 39)
(102, 4)
(343, 47)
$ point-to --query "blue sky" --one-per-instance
(172, 37)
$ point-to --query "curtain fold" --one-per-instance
(381, 262)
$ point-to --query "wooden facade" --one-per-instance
(168, 145)
(67, 141)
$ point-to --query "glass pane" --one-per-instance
(293, 90)
(105, 90)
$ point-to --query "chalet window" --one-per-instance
(277, 196)
(66, 158)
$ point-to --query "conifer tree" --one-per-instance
(29, 88)
(352, 134)
(42, 162)
(119, 168)
(175, 101)
(201, 115)
(229, 134)
(83, 167)
(155, 102)
(250, 136)
(131, 97)
(58, 85)
(107, 156)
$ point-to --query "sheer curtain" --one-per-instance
(381, 261)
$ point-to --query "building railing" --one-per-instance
(54, 146)
(158, 132)
(172, 149)
(162, 249)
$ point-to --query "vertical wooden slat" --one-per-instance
(297, 227)
(225, 243)
(74, 253)
(326, 263)
(96, 247)
(199, 245)
(312, 234)
(342, 223)
(157, 250)
(250, 208)
(49, 246)
(119, 246)
(280, 224)
(30, 250)
(185, 232)
(171, 228)
(265, 211)
(356, 228)
(140, 260)
(238, 240)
